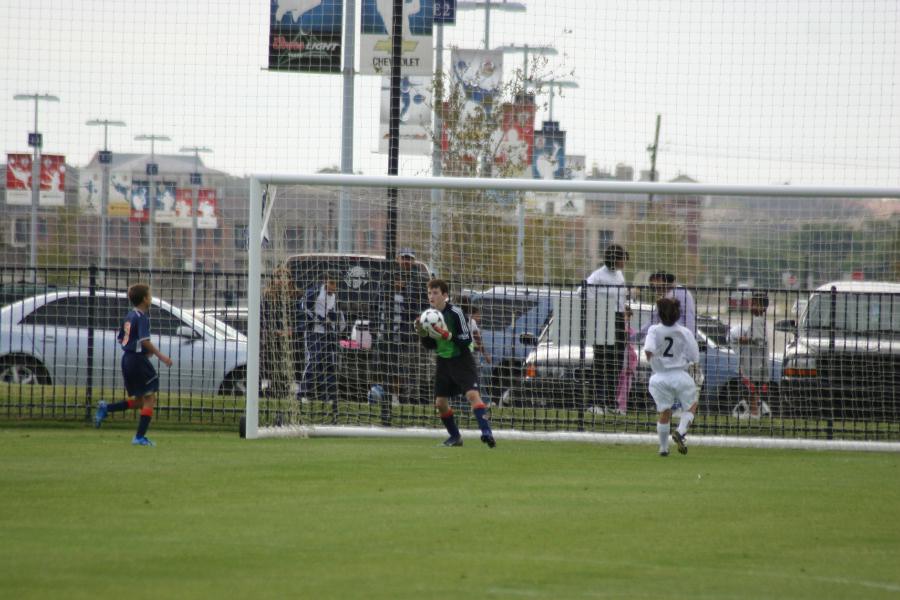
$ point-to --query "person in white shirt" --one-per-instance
(671, 350)
(608, 359)
(753, 355)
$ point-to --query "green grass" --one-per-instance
(86, 515)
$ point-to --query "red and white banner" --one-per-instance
(207, 209)
(52, 184)
(184, 203)
(515, 139)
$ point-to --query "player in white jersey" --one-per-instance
(672, 350)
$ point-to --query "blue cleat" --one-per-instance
(452, 441)
(489, 440)
(141, 441)
(100, 415)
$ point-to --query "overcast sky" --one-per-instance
(763, 91)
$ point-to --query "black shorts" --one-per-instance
(455, 375)
(139, 375)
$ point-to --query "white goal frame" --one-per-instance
(255, 226)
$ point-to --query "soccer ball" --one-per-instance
(431, 318)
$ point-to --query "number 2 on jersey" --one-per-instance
(667, 352)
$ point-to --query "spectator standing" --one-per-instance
(323, 321)
(276, 361)
(399, 350)
(753, 357)
(663, 286)
(609, 358)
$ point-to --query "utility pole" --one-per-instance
(35, 140)
(105, 159)
(152, 171)
(196, 182)
(652, 150)
(345, 223)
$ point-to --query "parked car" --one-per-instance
(44, 339)
(234, 317)
(556, 374)
(739, 299)
(844, 358)
(512, 319)
(363, 287)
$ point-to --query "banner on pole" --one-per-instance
(417, 54)
(52, 180)
(207, 217)
(305, 35)
(184, 202)
(90, 190)
(140, 201)
(119, 195)
(549, 152)
(415, 115)
(164, 210)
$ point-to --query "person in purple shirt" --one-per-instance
(141, 379)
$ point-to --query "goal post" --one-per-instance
(714, 237)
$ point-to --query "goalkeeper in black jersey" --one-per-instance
(456, 371)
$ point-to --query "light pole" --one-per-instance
(556, 84)
(196, 182)
(35, 141)
(487, 6)
(527, 50)
(152, 170)
(105, 157)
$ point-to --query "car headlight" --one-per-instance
(801, 365)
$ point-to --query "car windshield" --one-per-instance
(855, 313)
(501, 313)
(211, 322)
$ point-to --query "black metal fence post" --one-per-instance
(92, 321)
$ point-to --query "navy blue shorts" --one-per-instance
(139, 375)
(455, 375)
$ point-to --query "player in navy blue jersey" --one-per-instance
(141, 380)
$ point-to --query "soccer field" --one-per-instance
(86, 515)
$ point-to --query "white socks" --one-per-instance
(687, 417)
(663, 432)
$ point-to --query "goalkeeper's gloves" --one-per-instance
(442, 332)
(420, 329)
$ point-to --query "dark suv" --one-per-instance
(844, 360)
(364, 286)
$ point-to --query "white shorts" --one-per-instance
(673, 390)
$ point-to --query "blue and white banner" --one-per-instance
(417, 55)
(164, 210)
(415, 115)
(549, 152)
(305, 35)
(90, 189)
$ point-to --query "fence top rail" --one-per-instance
(586, 186)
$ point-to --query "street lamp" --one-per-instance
(35, 141)
(487, 6)
(105, 161)
(527, 50)
(152, 169)
(195, 184)
(554, 85)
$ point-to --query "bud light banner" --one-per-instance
(549, 152)
(417, 50)
(305, 35)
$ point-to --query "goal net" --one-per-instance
(789, 291)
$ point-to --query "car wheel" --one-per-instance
(235, 383)
(23, 371)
